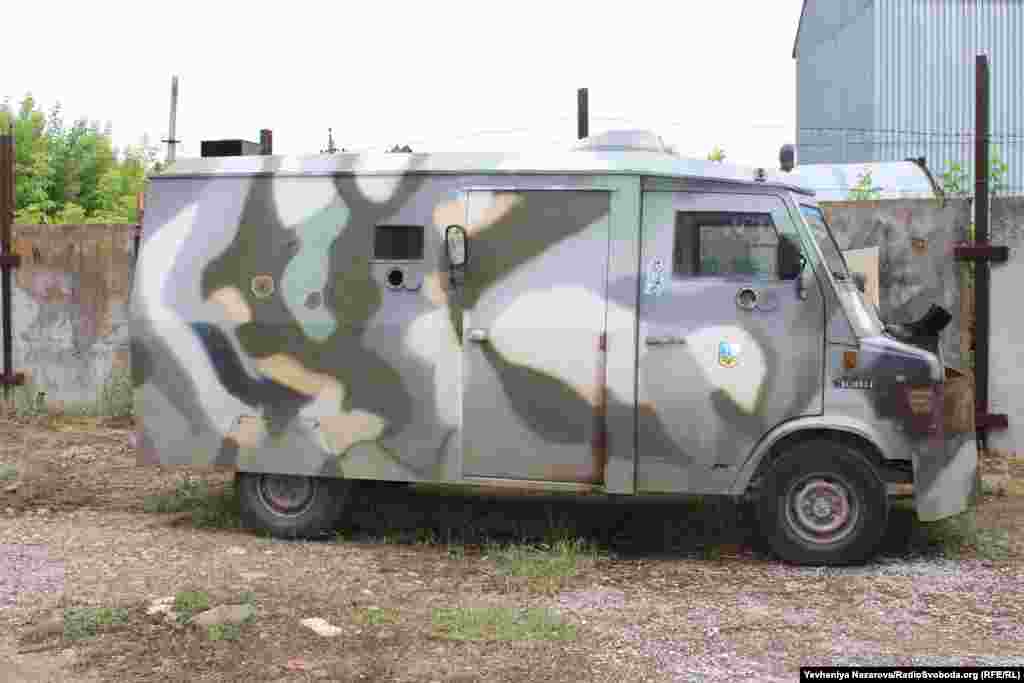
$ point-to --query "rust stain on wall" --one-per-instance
(86, 265)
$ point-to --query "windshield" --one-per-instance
(823, 236)
(862, 314)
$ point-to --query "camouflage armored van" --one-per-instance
(610, 319)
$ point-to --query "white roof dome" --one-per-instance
(624, 141)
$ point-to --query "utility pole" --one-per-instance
(171, 140)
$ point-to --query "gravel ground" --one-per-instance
(75, 534)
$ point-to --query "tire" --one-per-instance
(290, 506)
(823, 504)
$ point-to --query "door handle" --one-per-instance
(746, 299)
(478, 335)
(664, 341)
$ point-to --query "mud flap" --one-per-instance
(944, 477)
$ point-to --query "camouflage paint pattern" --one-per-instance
(268, 336)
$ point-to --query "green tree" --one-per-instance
(73, 174)
(717, 154)
(864, 189)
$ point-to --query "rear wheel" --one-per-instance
(291, 506)
(823, 504)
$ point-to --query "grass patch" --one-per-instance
(28, 400)
(501, 623)
(8, 472)
(957, 536)
(209, 509)
(116, 395)
(376, 616)
(189, 603)
(85, 622)
(224, 632)
(544, 566)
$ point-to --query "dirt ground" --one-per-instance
(671, 597)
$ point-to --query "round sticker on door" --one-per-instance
(262, 286)
(728, 354)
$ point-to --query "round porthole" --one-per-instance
(395, 278)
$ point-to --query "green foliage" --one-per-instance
(209, 509)
(863, 190)
(717, 154)
(501, 623)
(116, 394)
(224, 632)
(189, 603)
(544, 567)
(85, 622)
(73, 174)
(8, 472)
(956, 182)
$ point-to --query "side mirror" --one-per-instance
(458, 246)
(791, 259)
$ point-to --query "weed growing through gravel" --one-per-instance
(224, 632)
(953, 536)
(501, 623)
(209, 508)
(545, 566)
(8, 472)
(377, 616)
(85, 622)
(189, 603)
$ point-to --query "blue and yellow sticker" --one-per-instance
(728, 354)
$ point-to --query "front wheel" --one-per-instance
(823, 504)
(291, 506)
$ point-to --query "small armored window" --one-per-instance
(398, 243)
(725, 243)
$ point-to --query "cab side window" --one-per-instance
(725, 243)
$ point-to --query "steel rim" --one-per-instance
(286, 495)
(821, 509)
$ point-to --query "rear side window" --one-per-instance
(722, 243)
(398, 243)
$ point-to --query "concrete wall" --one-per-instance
(915, 238)
(70, 308)
(1006, 341)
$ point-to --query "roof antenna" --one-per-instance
(331, 149)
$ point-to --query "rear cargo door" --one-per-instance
(727, 349)
(534, 302)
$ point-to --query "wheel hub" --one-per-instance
(821, 510)
(286, 495)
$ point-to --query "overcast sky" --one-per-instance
(439, 76)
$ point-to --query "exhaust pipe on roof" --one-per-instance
(266, 142)
(787, 158)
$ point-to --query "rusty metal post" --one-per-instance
(982, 274)
(8, 260)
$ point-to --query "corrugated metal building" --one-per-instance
(887, 80)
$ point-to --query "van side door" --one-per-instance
(728, 348)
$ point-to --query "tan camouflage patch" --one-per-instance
(450, 213)
(233, 303)
(248, 432)
(504, 202)
(340, 432)
(291, 373)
